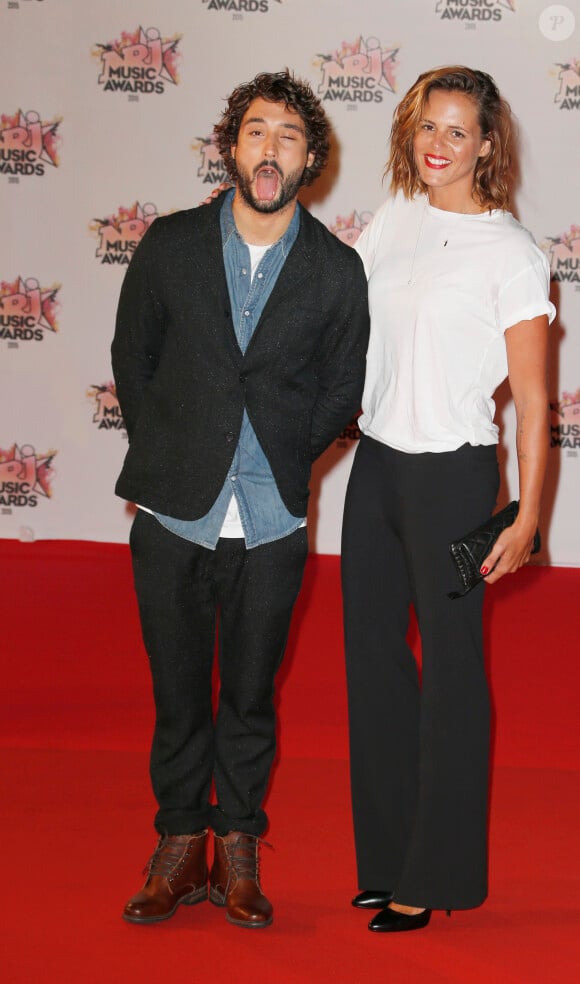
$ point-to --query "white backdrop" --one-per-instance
(105, 121)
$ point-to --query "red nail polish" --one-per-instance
(483, 571)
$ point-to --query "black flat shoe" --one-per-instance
(391, 921)
(372, 899)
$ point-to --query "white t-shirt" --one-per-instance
(443, 288)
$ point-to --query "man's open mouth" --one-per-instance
(267, 180)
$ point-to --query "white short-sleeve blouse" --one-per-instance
(443, 289)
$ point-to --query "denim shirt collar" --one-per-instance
(229, 229)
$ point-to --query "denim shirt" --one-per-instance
(263, 515)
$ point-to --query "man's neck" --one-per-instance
(261, 228)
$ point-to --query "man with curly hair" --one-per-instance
(238, 356)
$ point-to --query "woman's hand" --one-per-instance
(511, 551)
(216, 192)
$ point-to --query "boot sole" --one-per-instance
(199, 896)
(249, 925)
(216, 898)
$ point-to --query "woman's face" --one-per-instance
(447, 145)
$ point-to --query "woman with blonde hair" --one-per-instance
(458, 295)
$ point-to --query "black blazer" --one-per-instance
(183, 383)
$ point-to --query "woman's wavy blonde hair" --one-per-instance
(490, 184)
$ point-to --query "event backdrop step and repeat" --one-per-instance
(106, 118)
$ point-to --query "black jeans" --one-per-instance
(184, 591)
(419, 754)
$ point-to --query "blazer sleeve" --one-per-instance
(139, 330)
(342, 362)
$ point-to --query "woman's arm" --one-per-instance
(527, 353)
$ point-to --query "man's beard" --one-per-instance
(288, 187)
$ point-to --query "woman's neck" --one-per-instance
(449, 201)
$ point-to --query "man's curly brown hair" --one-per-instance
(276, 87)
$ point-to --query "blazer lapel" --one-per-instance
(207, 252)
(297, 270)
(208, 261)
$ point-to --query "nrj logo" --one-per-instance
(565, 426)
(349, 228)
(211, 169)
(474, 10)
(27, 310)
(27, 144)
(359, 72)
(139, 62)
(24, 476)
(119, 234)
(563, 253)
(568, 95)
(107, 415)
(240, 6)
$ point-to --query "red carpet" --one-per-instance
(76, 807)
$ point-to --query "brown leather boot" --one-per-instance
(234, 881)
(176, 873)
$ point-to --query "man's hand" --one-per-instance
(216, 193)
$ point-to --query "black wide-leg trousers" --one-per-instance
(184, 593)
(419, 749)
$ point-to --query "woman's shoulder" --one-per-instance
(393, 210)
(518, 265)
(517, 240)
(510, 227)
(399, 204)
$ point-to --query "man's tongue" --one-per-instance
(266, 185)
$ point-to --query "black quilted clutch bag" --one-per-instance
(470, 551)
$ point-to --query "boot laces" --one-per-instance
(243, 858)
(166, 857)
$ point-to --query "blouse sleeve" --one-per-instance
(525, 295)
